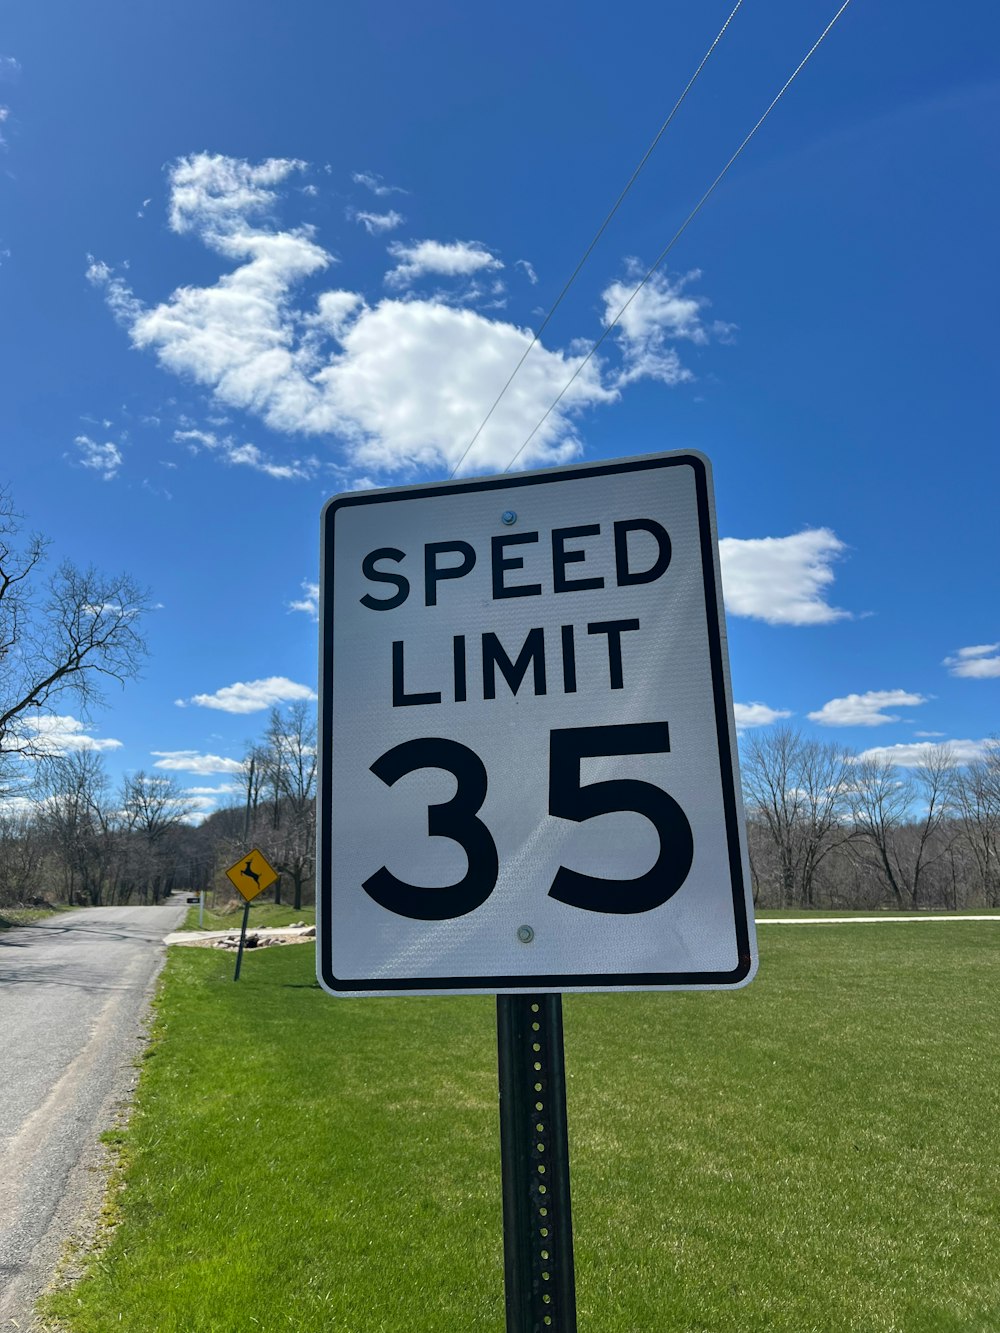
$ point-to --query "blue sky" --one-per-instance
(252, 257)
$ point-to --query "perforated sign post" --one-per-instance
(527, 777)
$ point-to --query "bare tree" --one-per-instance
(79, 821)
(153, 808)
(291, 744)
(977, 801)
(255, 767)
(899, 819)
(795, 789)
(21, 849)
(69, 633)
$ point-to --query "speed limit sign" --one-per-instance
(527, 755)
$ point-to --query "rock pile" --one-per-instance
(297, 933)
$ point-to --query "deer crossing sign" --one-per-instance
(527, 754)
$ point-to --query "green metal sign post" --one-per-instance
(534, 1152)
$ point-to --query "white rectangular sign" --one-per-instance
(527, 759)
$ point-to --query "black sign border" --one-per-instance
(591, 981)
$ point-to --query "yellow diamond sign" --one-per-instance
(252, 874)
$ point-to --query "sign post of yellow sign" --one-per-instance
(250, 875)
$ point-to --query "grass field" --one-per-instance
(261, 915)
(814, 1154)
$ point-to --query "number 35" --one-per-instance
(458, 819)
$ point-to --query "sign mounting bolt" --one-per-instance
(525, 934)
(509, 517)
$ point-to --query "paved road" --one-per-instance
(73, 995)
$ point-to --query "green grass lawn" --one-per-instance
(770, 913)
(814, 1154)
(261, 914)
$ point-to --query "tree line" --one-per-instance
(74, 838)
(828, 828)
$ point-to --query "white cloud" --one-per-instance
(198, 808)
(981, 661)
(781, 580)
(384, 393)
(115, 608)
(309, 603)
(216, 196)
(237, 335)
(122, 304)
(658, 314)
(196, 439)
(865, 710)
(912, 756)
(12, 807)
(251, 696)
(62, 734)
(402, 384)
(9, 69)
(528, 269)
(191, 761)
(103, 458)
(757, 715)
(247, 455)
(397, 408)
(377, 224)
(450, 259)
(658, 306)
(203, 801)
(334, 312)
(371, 180)
(978, 650)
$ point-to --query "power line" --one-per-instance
(597, 236)
(678, 233)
